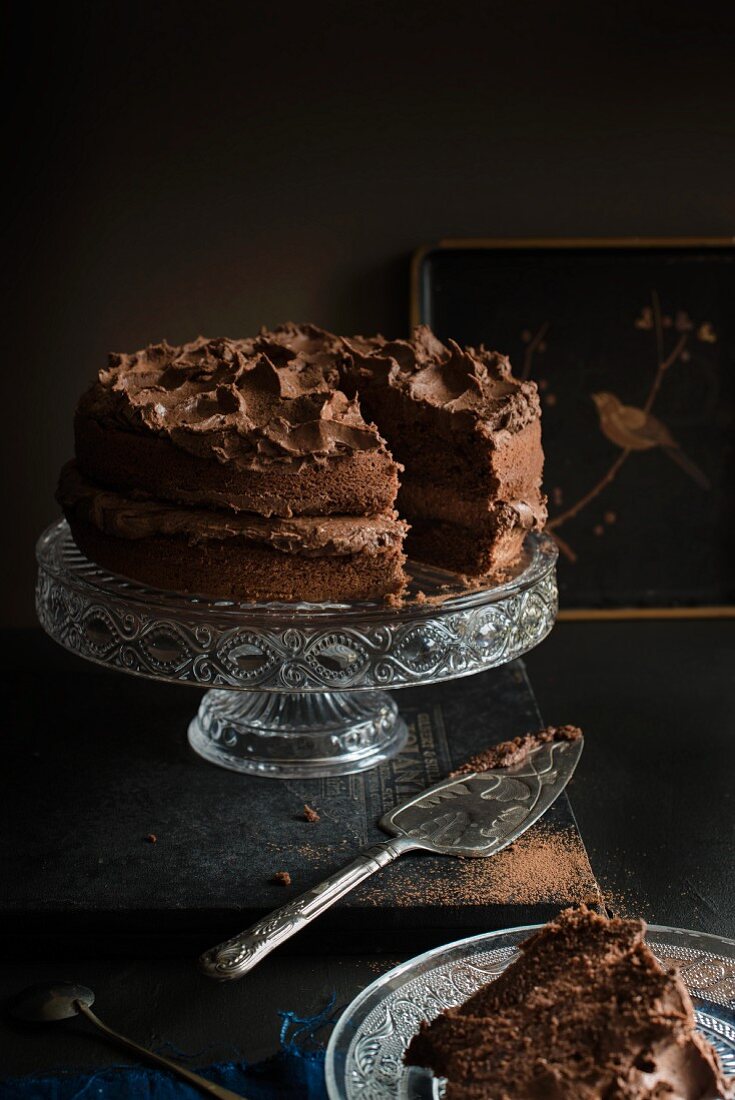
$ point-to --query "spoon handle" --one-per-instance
(237, 956)
(201, 1083)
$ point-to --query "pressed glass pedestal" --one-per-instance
(295, 690)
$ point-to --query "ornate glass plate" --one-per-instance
(365, 1053)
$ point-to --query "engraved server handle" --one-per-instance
(235, 957)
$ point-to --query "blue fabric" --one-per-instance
(297, 1071)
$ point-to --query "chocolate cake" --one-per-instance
(585, 1013)
(246, 468)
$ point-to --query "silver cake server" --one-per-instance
(474, 815)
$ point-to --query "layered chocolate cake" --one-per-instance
(253, 469)
(585, 1013)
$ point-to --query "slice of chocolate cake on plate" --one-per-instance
(585, 1013)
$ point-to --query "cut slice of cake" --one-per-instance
(585, 1013)
(469, 436)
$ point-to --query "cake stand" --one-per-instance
(295, 690)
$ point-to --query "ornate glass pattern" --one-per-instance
(451, 631)
(444, 629)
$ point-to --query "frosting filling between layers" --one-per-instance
(311, 536)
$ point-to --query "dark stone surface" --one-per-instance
(101, 762)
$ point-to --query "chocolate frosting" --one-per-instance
(139, 517)
(474, 386)
(274, 397)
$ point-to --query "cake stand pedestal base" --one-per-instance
(297, 735)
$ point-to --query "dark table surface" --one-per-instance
(653, 798)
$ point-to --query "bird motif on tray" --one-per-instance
(636, 429)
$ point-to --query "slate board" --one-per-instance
(99, 761)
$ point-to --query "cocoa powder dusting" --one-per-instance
(543, 865)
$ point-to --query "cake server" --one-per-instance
(472, 815)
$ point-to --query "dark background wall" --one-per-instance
(210, 167)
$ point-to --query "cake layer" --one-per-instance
(237, 556)
(485, 552)
(245, 424)
(245, 402)
(238, 569)
(358, 483)
(585, 1013)
(468, 389)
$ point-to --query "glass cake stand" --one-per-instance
(296, 690)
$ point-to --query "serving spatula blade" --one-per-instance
(475, 815)
(479, 813)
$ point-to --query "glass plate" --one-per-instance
(365, 1053)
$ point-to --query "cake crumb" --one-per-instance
(282, 878)
(512, 752)
(151, 838)
(310, 813)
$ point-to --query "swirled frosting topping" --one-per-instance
(277, 396)
(475, 383)
(273, 397)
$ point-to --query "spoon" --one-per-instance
(61, 1000)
